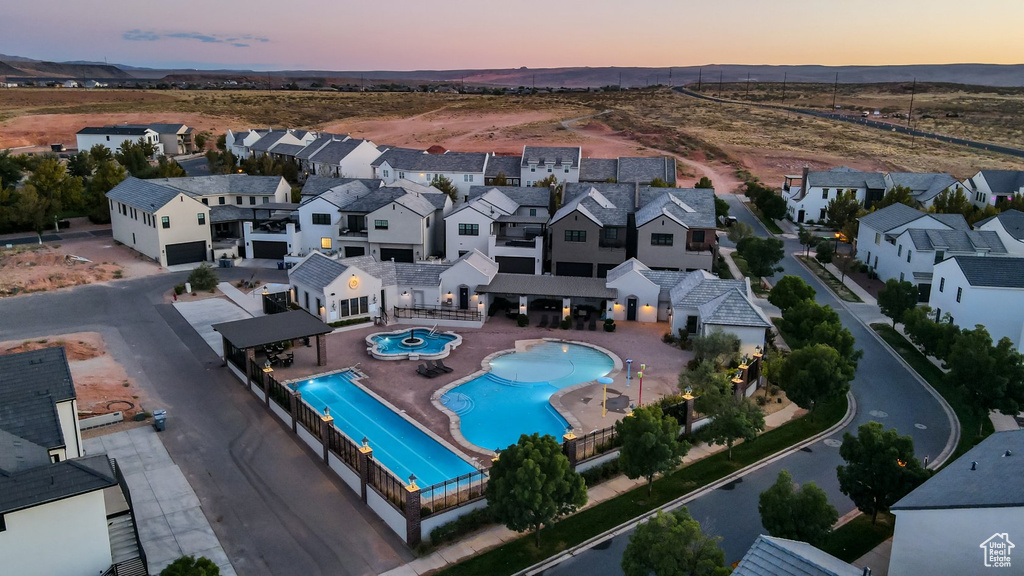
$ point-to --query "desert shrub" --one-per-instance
(566, 323)
(204, 277)
(761, 400)
(609, 325)
(668, 338)
(864, 268)
(179, 289)
(523, 320)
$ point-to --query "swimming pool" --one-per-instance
(397, 443)
(414, 344)
(514, 397)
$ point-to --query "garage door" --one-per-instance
(396, 254)
(351, 251)
(271, 250)
(574, 269)
(185, 252)
(515, 265)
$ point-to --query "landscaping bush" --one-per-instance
(566, 323)
(350, 321)
(761, 400)
(668, 338)
(609, 325)
(461, 526)
(203, 278)
(523, 320)
(179, 289)
(684, 340)
(601, 473)
(864, 268)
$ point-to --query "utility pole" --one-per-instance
(784, 75)
(534, 82)
(746, 95)
(913, 89)
(835, 87)
(699, 71)
(620, 81)
(670, 76)
(719, 83)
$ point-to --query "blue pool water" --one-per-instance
(513, 398)
(396, 443)
(432, 343)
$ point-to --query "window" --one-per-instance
(899, 250)
(942, 284)
(238, 199)
(428, 221)
(469, 229)
(206, 201)
(939, 256)
(401, 174)
(661, 239)
(697, 236)
(322, 219)
(575, 235)
(165, 221)
(959, 293)
(878, 238)
(549, 170)
(380, 224)
(252, 200)
(824, 194)
(611, 233)
(467, 177)
(386, 173)
(533, 168)
(266, 199)
(463, 253)
(343, 308)
(901, 276)
(202, 219)
(533, 211)
(356, 223)
(364, 306)
(909, 254)
(566, 170)
(220, 200)
(108, 138)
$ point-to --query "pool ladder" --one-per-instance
(432, 331)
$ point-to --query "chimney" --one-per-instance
(867, 571)
(974, 465)
(803, 181)
(1007, 453)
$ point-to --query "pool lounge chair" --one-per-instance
(579, 323)
(422, 370)
(543, 321)
(593, 323)
(439, 365)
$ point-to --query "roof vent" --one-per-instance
(1007, 453)
(974, 465)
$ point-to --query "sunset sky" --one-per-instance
(451, 34)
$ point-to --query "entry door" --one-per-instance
(463, 298)
(800, 216)
(631, 309)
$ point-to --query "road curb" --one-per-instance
(536, 569)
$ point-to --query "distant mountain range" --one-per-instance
(998, 75)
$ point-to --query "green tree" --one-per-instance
(936, 337)
(953, 201)
(532, 484)
(705, 183)
(733, 419)
(762, 255)
(753, 190)
(32, 210)
(771, 205)
(846, 263)
(824, 252)
(98, 153)
(738, 231)
(548, 182)
(134, 156)
(790, 291)
(266, 166)
(815, 374)
(445, 185)
(1015, 202)
(203, 277)
(880, 468)
(108, 174)
(80, 165)
(808, 240)
(895, 298)
(191, 566)
(989, 377)
(650, 444)
(842, 209)
(803, 514)
(168, 169)
(500, 180)
(721, 209)
(672, 544)
(799, 321)
(222, 142)
(897, 195)
(711, 386)
(10, 170)
(201, 139)
(221, 162)
(719, 347)
(659, 183)
(60, 190)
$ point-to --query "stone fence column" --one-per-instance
(296, 402)
(326, 421)
(413, 503)
(365, 455)
(569, 441)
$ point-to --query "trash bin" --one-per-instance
(160, 420)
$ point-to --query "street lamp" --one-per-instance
(640, 396)
(604, 381)
(629, 365)
(837, 235)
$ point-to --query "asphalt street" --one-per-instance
(275, 507)
(885, 391)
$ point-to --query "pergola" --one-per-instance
(564, 287)
(242, 337)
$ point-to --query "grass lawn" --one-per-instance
(522, 553)
(830, 280)
(931, 373)
(858, 536)
(768, 222)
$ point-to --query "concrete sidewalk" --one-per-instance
(168, 514)
(877, 559)
(203, 314)
(496, 535)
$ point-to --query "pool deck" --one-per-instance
(399, 384)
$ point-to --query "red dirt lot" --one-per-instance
(44, 129)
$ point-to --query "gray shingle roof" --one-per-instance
(954, 221)
(846, 178)
(31, 384)
(1012, 221)
(267, 141)
(418, 203)
(645, 170)
(287, 149)
(336, 151)
(956, 240)
(924, 186)
(557, 155)
(481, 262)
(690, 207)
(1004, 181)
(995, 481)
(260, 330)
(395, 155)
(223, 184)
(385, 271)
(992, 272)
(554, 286)
(700, 287)
(529, 196)
(54, 482)
(598, 169)
(18, 453)
(448, 162)
(606, 204)
(770, 556)
(419, 274)
(344, 194)
(665, 279)
(892, 216)
(234, 212)
(316, 185)
(323, 139)
(167, 128)
(732, 309)
(507, 165)
(317, 271)
(115, 130)
(626, 267)
(371, 201)
(146, 195)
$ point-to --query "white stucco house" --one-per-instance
(976, 290)
(507, 223)
(291, 140)
(968, 518)
(341, 158)
(540, 162)
(990, 187)
(54, 516)
(160, 222)
(113, 137)
(924, 187)
(807, 196)
(239, 143)
(464, 169)
(695, 302)
(629, 170)
(1009, 225)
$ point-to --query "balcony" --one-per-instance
(351, 233)
(515, 242)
